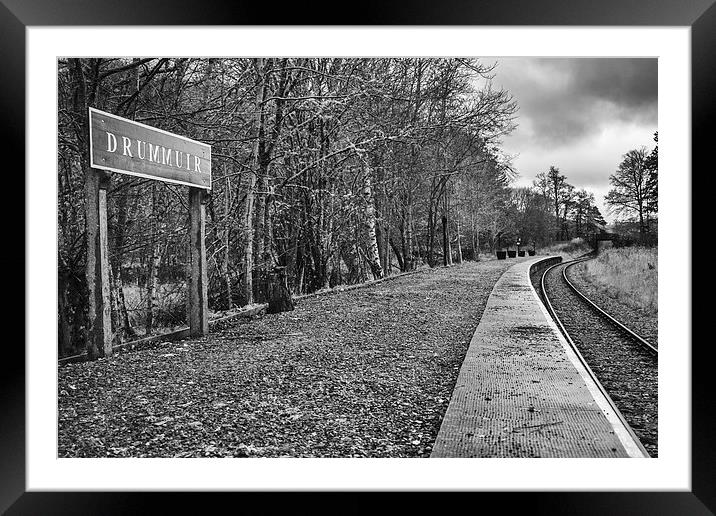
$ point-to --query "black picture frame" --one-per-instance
(17, 15)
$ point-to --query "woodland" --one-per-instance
(332, 171)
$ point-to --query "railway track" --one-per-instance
(623, 364)
(635, 336)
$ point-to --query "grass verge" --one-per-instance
(627, 274)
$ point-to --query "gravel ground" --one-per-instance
(643, 323)
(364, 373)
(626, 370)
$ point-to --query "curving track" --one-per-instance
(624, 364)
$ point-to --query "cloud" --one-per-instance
(628, 83)
(568, 99)
(580, 115)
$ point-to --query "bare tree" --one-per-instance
(631, 188)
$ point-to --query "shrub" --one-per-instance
(171, 308)
(570, 250)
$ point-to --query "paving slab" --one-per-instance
(522, 392)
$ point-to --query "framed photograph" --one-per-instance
(305, 257)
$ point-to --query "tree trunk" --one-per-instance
(261, 188)
(446, 230)
(431, 228)
(268, 232)
(122, 305)
(387, 261)
(475, 239)
(120, 318)
(152, 284)
(398, 255)
(641, 222)
(292, 256)
(403, 256)
(407, 235)
(380, 242)
(227, 230)
(116, 323)
(300, 279)
(459, 245)
(477, 244)
(446, 251)
(248, 285)
(372, 254)
(279, 297)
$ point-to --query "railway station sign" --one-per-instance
(128, 147)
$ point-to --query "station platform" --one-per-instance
(521, 390)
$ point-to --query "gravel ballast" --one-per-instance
(363, 373)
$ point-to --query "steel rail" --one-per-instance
(641, 340)
(591, 373)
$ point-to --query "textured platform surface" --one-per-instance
(521, 392)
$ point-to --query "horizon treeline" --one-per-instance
(334, 171)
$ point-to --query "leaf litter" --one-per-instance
(365, 373)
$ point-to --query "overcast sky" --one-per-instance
(580, 115)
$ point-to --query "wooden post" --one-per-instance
(99, 331)
(198, 299)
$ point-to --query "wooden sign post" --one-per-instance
(127, 147)
(99, 331)
(198, 309)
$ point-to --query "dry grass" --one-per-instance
(569, 250)
(627, 274)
